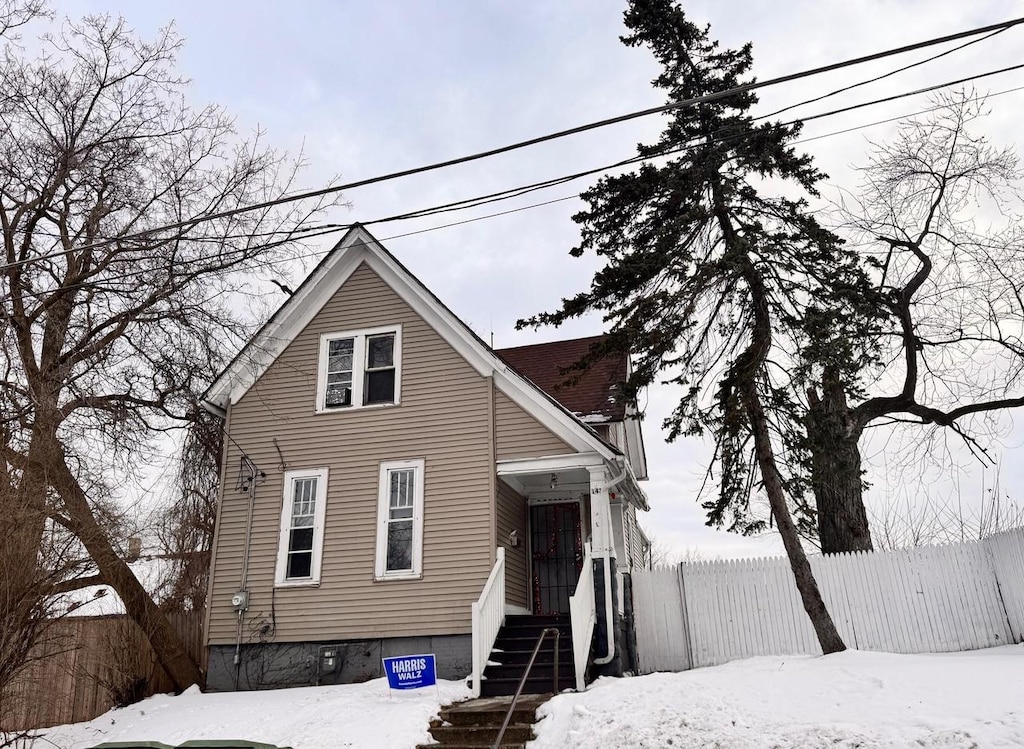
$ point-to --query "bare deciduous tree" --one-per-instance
(930, 515)
(185, 526)
(938, 218)
(109, 326)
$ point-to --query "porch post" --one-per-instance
(603, 550)
(601, 542)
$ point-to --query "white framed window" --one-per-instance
(359, 369)
(301, 542)
(400, 520)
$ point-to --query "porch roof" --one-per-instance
(571, 471)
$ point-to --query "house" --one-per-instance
(389, 482)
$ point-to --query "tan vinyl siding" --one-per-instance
(512, 516)
(443, 418)
(519, 435)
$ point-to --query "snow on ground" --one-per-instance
(367, 716)
(846, 700)
(852, 699)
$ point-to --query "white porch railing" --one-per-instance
(488, 616)
(583, 615)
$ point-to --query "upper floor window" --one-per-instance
(300, 546)
(360, 368)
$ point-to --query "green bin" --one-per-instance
(192, 744)
(227, 744)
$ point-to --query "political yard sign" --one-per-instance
(410, 671)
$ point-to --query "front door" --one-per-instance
(557, 546)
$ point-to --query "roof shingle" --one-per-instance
(594, 398)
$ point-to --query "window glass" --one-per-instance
(380, 351)
(339, 372)
(380, 369)
(401, 495)
(300, 534)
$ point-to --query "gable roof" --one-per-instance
(594, 397)
(359, 247)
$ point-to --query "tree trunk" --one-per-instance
(138, 604)
(836, 470)
(828, 636)
(744, 373)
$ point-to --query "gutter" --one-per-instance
(213, 408)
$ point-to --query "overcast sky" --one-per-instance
(366, 88)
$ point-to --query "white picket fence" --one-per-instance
(923, 600)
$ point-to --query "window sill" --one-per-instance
(297, 584)
(398, 576)
(349, 409)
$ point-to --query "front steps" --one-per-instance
(512, 648)
(475, 724)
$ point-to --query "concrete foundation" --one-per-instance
(273, 665)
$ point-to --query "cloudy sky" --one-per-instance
(366, 88)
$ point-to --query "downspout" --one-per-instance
(609, 611)
(609, 614)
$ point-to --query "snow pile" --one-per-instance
(368, 716)
(852, 699)
(846, 700)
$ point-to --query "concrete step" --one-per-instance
(545, 618)
(516, 733)
(515, 653)
(492, 717)
(540, 671)
(474, 724)
(512, 640)
(535, 625)
(502, 686)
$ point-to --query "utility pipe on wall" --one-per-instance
(601, 522)
(605, 553)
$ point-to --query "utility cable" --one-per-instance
(189, 223)
(327, 229)
(891, 73)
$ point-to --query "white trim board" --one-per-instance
(358, 246)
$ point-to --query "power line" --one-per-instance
(924, 90)
(327, 229)
(891, 73)
(189, 223)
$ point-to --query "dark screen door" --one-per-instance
(557, 548)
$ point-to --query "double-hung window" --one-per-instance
(400, 520)
(300, 546)
(360, 368)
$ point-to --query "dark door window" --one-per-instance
(557, 547)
